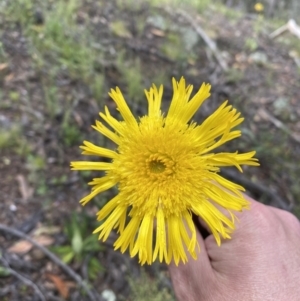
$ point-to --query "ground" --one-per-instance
(59, 59)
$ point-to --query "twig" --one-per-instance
(278, 31)
(264, 114)
(294, 28)
(23, 279)
(291, 25)
(151, 51)
(256, 188)
(209, 42)
(53, 257)
(4, 291)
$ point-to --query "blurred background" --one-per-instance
(58, 61)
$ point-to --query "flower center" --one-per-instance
(157, 166)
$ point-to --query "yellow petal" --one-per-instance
(195, 103)
(106, 132)
(217, 222)
(108, 225)
(117, 96)
(94, 150)
(175, 246)
(103, 184)
(160, 246)
(108, 208)
(154, 97)
(143, 244)
(127, 237)
(114, 123)
(89, 165)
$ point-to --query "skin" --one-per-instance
(261, 262)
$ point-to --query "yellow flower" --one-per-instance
(165, 170)
(259, 7)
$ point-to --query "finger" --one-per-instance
(245, 220)
(201, 226)
(251, 229)
(289, 223)
(226, 213)
(190, 279)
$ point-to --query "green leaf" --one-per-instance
(61, 250)
(94, 267)
(4, 272)
(77, 243)
(120, 29)
(92, 244)
(68, 257)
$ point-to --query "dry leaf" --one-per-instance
(3, 66)
(25, 190)
(46, 230)
(44, 240)
(78, 118)
(157, 32)
(61, 286)
(9, 78)
(20, 247)
(262, 100)
(24, 246)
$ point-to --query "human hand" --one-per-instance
(260, 262)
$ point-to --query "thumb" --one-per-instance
(192, 278)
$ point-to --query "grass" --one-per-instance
(10, 137)
(12, 140)
(134, 81)
(146, 289)
(231, 14)
(63, 42)
(64, 49)
(69, 131)
(251, 44)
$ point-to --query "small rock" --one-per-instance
(260, 58)
(108, 295)
(12, 207)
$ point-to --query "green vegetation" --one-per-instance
(4, 272)
(10, 138)
(146, 289)
(81, 244)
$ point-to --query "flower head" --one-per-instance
(165, 171)
(259, 7)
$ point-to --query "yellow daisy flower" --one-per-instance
(165, 171)
(259, 7)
